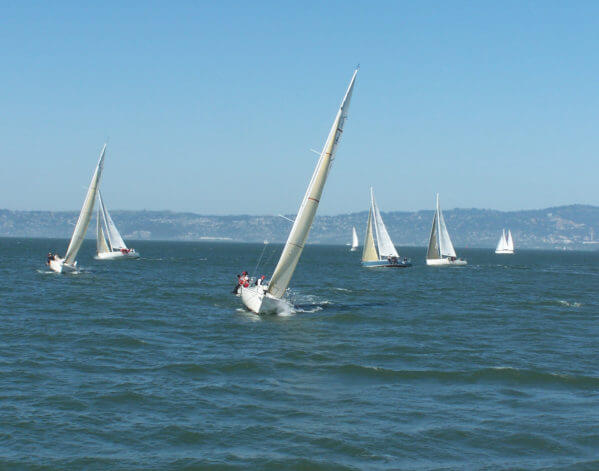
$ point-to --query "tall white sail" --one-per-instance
(385, 245)
(354, 239)
(101, 245)
(510, 241)
(305, 216)
(114, 237)
(86, 213)
(502, 245)
(445, 246)
(369, 253)
(433, 243)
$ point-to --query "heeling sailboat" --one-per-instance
(115, 248)
(264, 299)
(354, 240)
(505, 244)
(440, 249)
(69, 263)
(382, 254)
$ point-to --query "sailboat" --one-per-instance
(505, 244)
(440, 248)
(69, 263)
(115, 247)
(382, 254)
(267, 298)
(354, 240)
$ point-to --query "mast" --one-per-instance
(305, 216)
(86, 212)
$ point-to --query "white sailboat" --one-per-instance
(505, 244)
(354, 240)
(115, 248)
(440, 249)
(69, 263)
(381, 254)
(264, 299)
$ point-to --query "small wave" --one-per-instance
(563, 302)
(342, 289)
(501, 374)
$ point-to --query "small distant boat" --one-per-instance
(440, 249)
(354, 240)
(69, 262)
(506, 244)
(267, 299)
(115, 248)
(382, 254)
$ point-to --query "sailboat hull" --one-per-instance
(57, 265)
(504, 251)
(353, 249)
(132, 254)
(386, 264)
(256, 300)
(440, 262)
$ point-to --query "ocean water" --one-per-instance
(153, 364)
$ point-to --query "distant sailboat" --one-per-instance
(354, 240)
(506, 244)
(440, 249)
(382, 254)
(69, 263)
(115, 248)
(264, 299)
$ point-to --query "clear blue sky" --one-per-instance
(212, 107)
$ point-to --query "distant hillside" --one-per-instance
(565, 226)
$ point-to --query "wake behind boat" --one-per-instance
(266, 299)
(386, 256)
(69, 263)
(115, 248)
(440, 249)
(506, 244)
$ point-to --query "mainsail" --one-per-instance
(433, 243)
(354, 239)
(114, 237)
(369, 253)
(384, 243)
(305, 216)
(101, 245)
(86, 213)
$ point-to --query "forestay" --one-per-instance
(305, 216)
(86, 213)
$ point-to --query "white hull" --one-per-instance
(445, 262)
(57, 265)
(353, 249)
(256, 300)
(117, 255)
(504, 251)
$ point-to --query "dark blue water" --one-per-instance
(152, 364)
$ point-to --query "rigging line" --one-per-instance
(260, 259)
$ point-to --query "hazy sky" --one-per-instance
(213, 107)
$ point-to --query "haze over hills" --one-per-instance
(571, 226)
